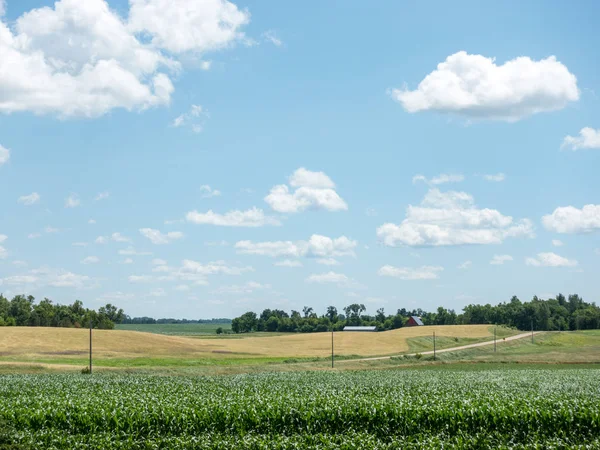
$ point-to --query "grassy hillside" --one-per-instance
(123, 349)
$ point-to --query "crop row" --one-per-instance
(385, 409)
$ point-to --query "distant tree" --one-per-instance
(307, 311)
(332, 314)
(219, 330)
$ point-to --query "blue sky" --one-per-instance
(275, 155)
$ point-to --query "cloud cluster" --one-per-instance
(588, 138)
(158, 238)
(312, 190)
(80, 58)
(476, 87)
(440, 179)
(451, 218)
(568, 219)
(44, 277)
(194, 118)
(409, 273)
(317, 246)
(498, 260)
(339, 279)
(550, 259)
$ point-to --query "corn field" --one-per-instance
(348, 410)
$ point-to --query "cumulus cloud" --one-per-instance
(4, 155)
(440, 179)
(451, 218)
(90, 260)
(498, 260)
(475, 87)
(251, 218)
(208, 192)
(465, 265)
(288, 263)
(588, 138)
(118, 237)
(569, 219)
(550, 259)
(45, 276)
(338, 279)
(557, 243)
(328, 261)
(409, 273)
(3, 251)
(317, 246)
(158, 238)
(72, 201)
(80, 58)
(30, 199)
(130, 251)
(495, 177)
(312, 190)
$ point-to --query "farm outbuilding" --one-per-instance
(349, 328)
(414, 321)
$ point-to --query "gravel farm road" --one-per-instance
(444, 350)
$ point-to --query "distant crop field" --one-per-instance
(176, 329)
(390, 409)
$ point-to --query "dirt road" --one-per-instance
(444, 350)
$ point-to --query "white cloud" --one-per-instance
(19, 263)
(194, 118)
(34, 235)
(182, 26)
(102, 196)
(212, 268)
(557, 243)
(466, 265)
(550, 259)
(314, 190)
(182, 287)
(328, 261)
(4, 153)
(2, 7)
(288, 263)
(3, 251)
(45, 276)
(72, 201)
(30, 199)
(440, 179)
(118, 237)
(101, 240)
(127, 261)
(90, 260)
(159, 262)
(251, 218)
(80, 58)
(451, 218)
(79, 244)
(409, 273)
(568, 219)
(208, 192)
(205, 65)
(495, 177)
(158, 238)
(500, 259)
(338, 279)
(475, 87)
(222, 243)
(130, 251)
(588, 138)
(91, 221)
(51, 230)
(271, 36)
(317, 246)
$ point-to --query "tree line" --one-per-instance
(150, 320)
(554, 314)
(23, 311)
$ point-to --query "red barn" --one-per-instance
(414, 321)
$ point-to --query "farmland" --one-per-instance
(367, 409)
(177, 329)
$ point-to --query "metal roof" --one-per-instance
(359, 328)
(417, 320)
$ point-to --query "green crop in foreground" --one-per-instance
(353, 410)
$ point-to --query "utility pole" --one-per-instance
(332, 347)
(532, 331)
(494, 339)
(91, 322)
(434, 345)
